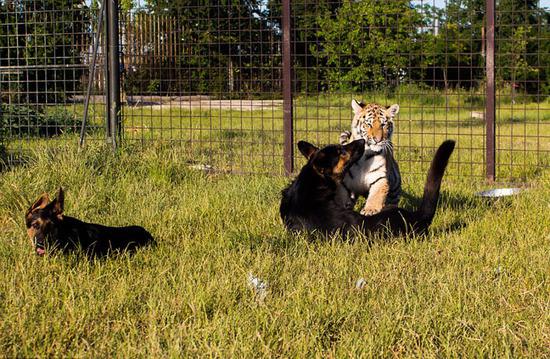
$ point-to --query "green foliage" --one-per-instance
(42, 37)
(367, 43)
(522, 59)
(226, 50)
(234, 48)
(17, 121)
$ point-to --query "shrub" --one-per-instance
(35, 121)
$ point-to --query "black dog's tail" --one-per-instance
(426, 211)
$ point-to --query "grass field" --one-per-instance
(231, 140)
(477, 286)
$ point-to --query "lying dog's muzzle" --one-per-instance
(39, 246)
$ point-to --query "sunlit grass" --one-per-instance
(251, 141)
(478, 286)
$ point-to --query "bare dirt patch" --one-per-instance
(202, 102)
(192, 102)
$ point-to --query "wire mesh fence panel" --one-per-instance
(45, 54)
(522, 35)
(207, 78)
(429, 57)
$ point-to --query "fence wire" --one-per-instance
(207, 77)
(45, 56)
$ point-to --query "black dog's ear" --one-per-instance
(307, 149)
(41, 202)
(355, 146)
(58, 203)
(355, 149)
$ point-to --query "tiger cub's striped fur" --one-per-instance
(376, 177)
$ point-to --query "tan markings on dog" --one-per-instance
(41, 202)
(377, 197)
(342, 161)
(31, 231)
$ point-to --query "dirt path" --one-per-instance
(193, 102)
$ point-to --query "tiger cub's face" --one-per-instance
(374, 123)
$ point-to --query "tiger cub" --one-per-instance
(376, 177)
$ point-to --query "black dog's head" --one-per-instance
(41, 220)
(332, 160)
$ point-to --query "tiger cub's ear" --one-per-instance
(392, 110)
(307, 149)
(356, 106)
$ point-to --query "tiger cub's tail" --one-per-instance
(427, 208)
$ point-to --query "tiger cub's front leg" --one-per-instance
(377, 197)
(345, 138)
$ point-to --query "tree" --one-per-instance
(307, 66)
(43, 41)
(223, 48)
(519, 47)
(446, 52)
(521, 57)
(367, 44)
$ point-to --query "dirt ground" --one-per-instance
(194, 102)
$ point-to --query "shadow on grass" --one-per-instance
(459, 204)
(285, 243)
(453, 201)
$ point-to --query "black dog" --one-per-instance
(49, 228)
(317, 200)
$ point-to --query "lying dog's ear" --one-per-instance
(41, 202)
(307, 149)
(58, 204)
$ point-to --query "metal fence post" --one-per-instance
(106, 80)
(490, 92)
(114, 71)
(91, 73)
(288, 137)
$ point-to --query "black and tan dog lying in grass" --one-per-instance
(49, 229)
(317, 199)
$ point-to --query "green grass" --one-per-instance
(251, 141)
(477, 286)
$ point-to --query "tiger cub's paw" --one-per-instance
(344, 137)
(370, 211)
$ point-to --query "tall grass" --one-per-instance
(477, 286)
